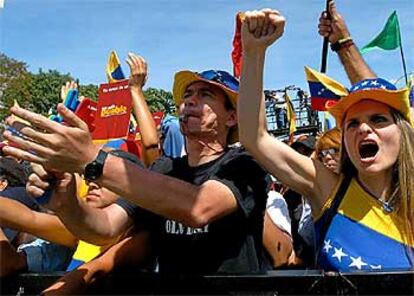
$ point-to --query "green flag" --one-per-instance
(389, 38)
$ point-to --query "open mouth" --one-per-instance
(368, 150)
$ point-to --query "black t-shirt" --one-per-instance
(232, 244)
(18, 194)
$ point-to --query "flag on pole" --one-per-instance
(389, 38)
(291, 116)
(237, 53)
(324, 91)
(113, 68)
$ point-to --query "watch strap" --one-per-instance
(94, 169)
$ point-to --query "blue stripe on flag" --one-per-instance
(117, 73)
(318, 90)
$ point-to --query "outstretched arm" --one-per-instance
(259, 30)
(49, 227)
(335, 29)
(69, 148)
(148, 130)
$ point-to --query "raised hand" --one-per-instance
(57, 147)
(334, 28)
(261, 28)
(139, 70)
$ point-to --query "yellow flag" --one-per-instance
(290, 114)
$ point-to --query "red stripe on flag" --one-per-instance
(320, 104)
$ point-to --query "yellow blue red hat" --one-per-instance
(227, 82)
(375, 89)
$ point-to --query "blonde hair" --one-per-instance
(403, 179)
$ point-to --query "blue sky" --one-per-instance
(76, 36)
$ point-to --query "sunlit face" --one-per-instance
(372, 138)
(204, 113)
(99, 197)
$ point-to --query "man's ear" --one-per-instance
(231, 118)
(3, 184)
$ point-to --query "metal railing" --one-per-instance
(307, 120)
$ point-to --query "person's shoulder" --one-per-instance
(165, 164)
(238, 159)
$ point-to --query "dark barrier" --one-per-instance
(283, 282)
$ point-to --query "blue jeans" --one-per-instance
(44, 256)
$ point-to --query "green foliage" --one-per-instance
(89, 91)
(45, 90)
(14, 84)
(160, 100)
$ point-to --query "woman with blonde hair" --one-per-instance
(364, 214)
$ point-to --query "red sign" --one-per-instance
(87, 111)
(113, 111)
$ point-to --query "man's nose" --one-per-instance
(191, 101)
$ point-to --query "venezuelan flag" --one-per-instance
(364, 237)
(113, 68)
(324, 91)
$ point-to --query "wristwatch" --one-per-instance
(94, 169)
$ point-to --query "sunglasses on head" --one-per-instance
(330, 151)
(221, 77)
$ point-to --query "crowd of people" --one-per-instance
(235, 200)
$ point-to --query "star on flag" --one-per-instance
(339, 254)
(357, 262)
(327, 246)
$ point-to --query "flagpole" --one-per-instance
(403, 62)
(325, 43)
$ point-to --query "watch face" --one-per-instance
(93, 171)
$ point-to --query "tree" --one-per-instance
(90, 91)
(45, 90)
(14, 84)
(159, 100)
